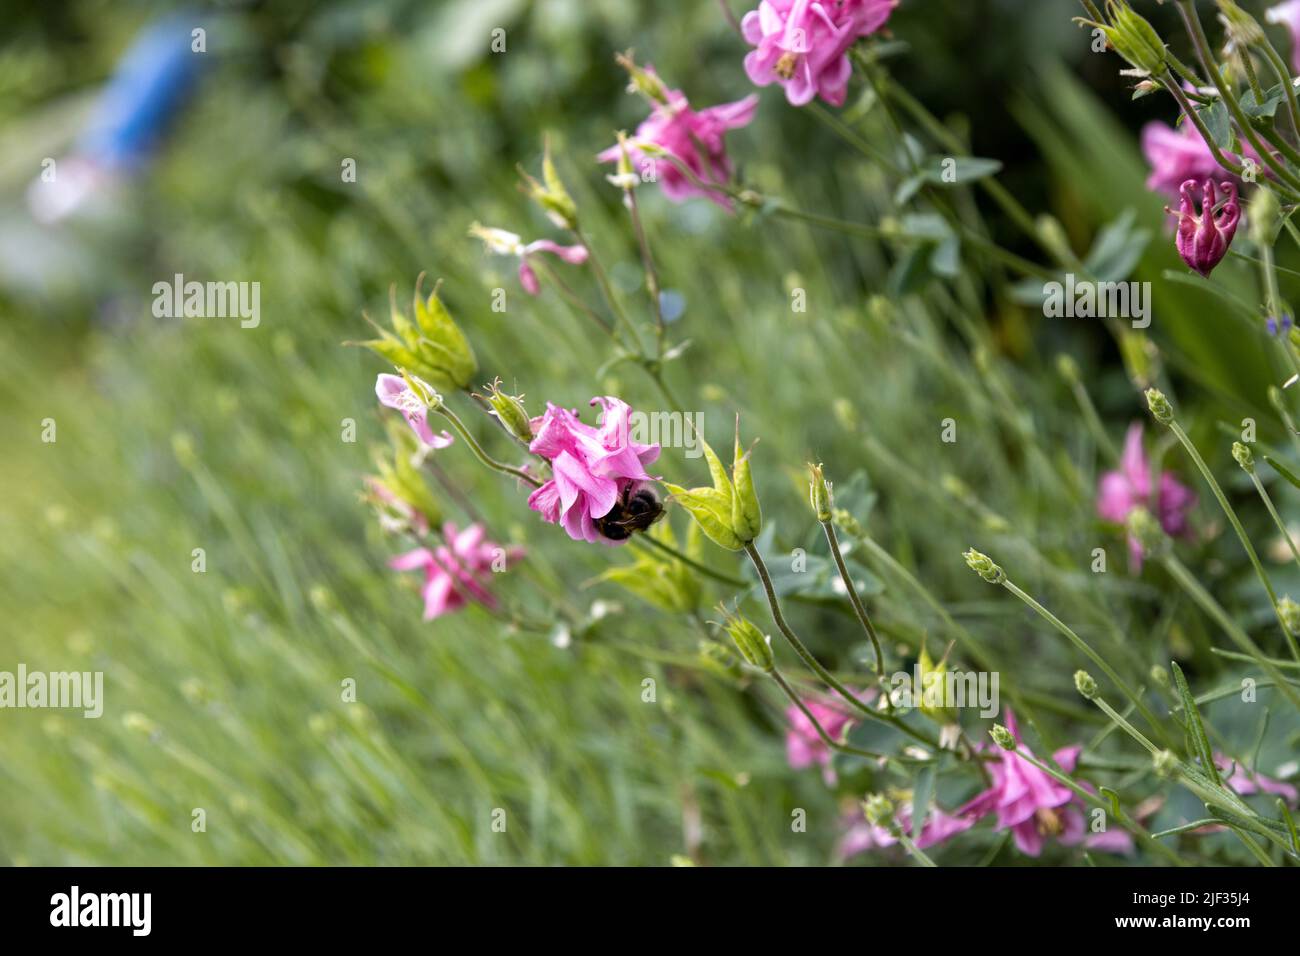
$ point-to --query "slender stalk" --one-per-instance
(691, 563)
(815, 665)
(858, 608)
(648, 264)
(1211, 607)
(821, 731)
(1086, 649)
(1204, 469)
(478, 451)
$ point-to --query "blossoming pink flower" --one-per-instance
(1034, 806)
(804, 44)
(1288, 14)
(1176, 155)
(454, 572)
(1203, 237)
(804, 747)
(862, 835)
(1120, 491)
(591, 467)
(393, 392)
(502, 243)
(695, 139)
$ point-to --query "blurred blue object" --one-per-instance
(152, 83)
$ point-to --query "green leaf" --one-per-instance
(959, 170)
(1195, 728)
(712, 510)
(1283, 470)
(1218, 122)
(1265, 107)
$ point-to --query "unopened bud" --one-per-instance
(1143, 527)
(1002, 737)
(510, 411)
(983, 565)
(1159, 405)
(819, 494)
(754, 647)
(1085, 685)
(879, 810)
(1244, 457)
(1165, 763)
(1289, 611)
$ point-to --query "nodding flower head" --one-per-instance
(1203, 238)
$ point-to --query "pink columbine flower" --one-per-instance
(1288, 14)
(1129, 487)
(1203, 238)
(1246, 783)
(804, 746)
(804, 44)
(1034, 806)
(685, 134)
(862, 835)
(502, 243)
(393, 392)
(1177, 155)
(592, 467)
(455, 572)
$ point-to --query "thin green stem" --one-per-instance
(858, 608)
(478, 451)
(821, 731)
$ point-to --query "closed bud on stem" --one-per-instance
(1145, 529)
(1289, 611)
(847, 522)
(1085, 685)
(1133, 38)
(1161, 410)
(624, 177)
(1002, 737)
(551, 194)
(879, 810)
(1165, 763)
(510, 411)
(819, 493)
(1243, 30)
(1244, 457)
(754, 646)
(1159, 675)
(983, 565)
(643, 82)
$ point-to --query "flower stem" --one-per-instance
(858, 609)
(781, 682)
(478, 451)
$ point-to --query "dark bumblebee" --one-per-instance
(634, 511)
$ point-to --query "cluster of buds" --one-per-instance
(431, 348)
(983, 565)
(728, 512)
(1132, 37)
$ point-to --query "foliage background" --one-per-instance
(223, 688)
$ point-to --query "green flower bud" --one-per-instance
(1244, 457)
(1165, 763)
(1068, 368)
(1159, 405)
(1132, 37)
(625, 177)
(754, 646)
(846, 521)
(1289, 611)
(819, 493)
(933, 692)
(550, 193)
(1085, 685)
(746, 515)
(1002, 737)
(1159, 675)
(643, 82)
(510, 411)
(431, 348)
(879, 810)
(983, 565)
(1243, 30)
(1145, 529)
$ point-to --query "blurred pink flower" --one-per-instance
(1120, 491)
(502, 243)
(1288, 14)
(695, 139)
(591, 467)
(454, 571)
(803, 746)
(804, 44)
(862, 835)
(393, 392)
(1203, 238)
(1177, 155)
(1246, 783)
(1034, 806)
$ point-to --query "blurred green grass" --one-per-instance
(223, 688)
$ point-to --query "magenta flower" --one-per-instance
(502, 243)
(1288, 14)
(694, 139)
(1176, 155)
(592, 468)
(804, 44)
(1203, 238)
(804, 747)
(1033, 806)
(393, 392)
(862, 835)
(455, 572)
(1129, 487)
(1247, 783)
